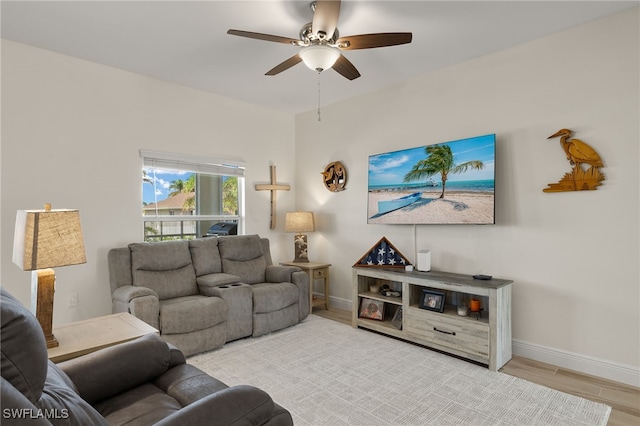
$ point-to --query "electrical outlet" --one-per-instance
(73, 300)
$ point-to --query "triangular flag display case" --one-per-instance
(383, 254)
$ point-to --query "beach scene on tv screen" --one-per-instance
(443, 183)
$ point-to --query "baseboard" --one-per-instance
(339, 303)
(626, 374)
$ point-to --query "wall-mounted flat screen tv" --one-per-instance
(444, 183)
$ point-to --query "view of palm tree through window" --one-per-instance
(183, 205)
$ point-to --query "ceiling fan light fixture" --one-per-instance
(319, 57)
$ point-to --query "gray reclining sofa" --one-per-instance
(141, 382)
(205, 292)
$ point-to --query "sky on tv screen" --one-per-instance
(389, 169)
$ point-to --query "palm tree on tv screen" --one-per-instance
(439, 160)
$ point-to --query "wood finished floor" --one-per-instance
(624, 400)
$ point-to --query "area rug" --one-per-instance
(328, 373)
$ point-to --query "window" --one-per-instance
(183, 196)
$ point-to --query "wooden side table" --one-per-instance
(315, 271)
(83, 337)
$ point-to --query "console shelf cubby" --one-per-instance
(483, 337)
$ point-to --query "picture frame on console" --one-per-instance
(432, 300)
(371, 309)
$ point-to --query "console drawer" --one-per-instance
(461, 333)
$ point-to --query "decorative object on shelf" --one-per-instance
(396, 321)
(432, 300)
(334, 177)
(371, 309)
(300, 222)
(474, 305)
(383, 254)
(46, 239)
(585, 162)
(273, 186)
(424, 260)
(389, 292)
(462, 303)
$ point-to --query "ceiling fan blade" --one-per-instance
(345, 68)
(283, 66)
(369, 41)
(325, 18)
(265, 37)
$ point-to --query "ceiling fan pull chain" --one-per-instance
(319, 117)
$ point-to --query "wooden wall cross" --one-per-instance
(273, 187)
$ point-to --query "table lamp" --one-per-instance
(299, 222)
(46, 239)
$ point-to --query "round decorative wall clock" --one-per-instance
(334, 177)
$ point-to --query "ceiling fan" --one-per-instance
(321, 43)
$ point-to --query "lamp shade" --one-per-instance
(48, 239)
(319, 57)
(299, 222)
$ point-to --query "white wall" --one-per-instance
(71, 131)
(573, 255)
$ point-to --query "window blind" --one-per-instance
(232, 166)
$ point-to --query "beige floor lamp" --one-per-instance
(46, 239)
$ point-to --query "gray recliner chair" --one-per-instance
(141, 382)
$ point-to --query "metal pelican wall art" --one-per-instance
(585, 162)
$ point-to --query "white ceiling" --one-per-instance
(186, 42)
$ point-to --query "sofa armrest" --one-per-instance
(176, 357)
(237, 405)
(280, 273)
(295, 275)
(113, 370)
(141, 302)
(301, 279)
(127, 293)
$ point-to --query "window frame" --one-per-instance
(218, 166)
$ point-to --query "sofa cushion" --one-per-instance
(119, 260)
(191, 313)
(142, 405)
(269, 297)
(188, 384)
(242, 255)
(205, 256)
(24, 350)
(164, 267)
